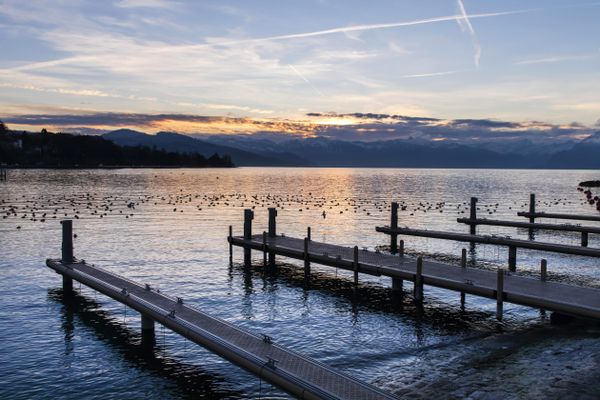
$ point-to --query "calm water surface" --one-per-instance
(173, 236)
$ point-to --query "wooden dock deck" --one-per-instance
(541, 214)
(584, 230)
(538, 293)
(512, 244)
(301, 376)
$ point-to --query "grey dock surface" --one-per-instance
(533, 215)
(493, 240)
(299, 375)
(529, 225)
(562, 298)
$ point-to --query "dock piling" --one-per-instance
(394, 225)
(230, 245)
(418, 289)
(532, 208)
(463, 264)
(147, 327)
(584, 239)
(500, 294)
(397, 284)
(512, 258)
(67, 252)
(272, 222)
(473, 216)
(543, 270)
(306, 257)
(272, 232)
(308, 233)
(532, 213)
(264, 237)
(248, 217)
(67, 241)
(355, 265)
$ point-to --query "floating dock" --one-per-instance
(575, 217)
(473, 221)
(512, 244)
(499, 285)
(301, 376)
(584, 230)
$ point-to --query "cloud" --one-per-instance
(347, 126)
(465, 24)
(378, 127)
(556, 59)
(317, 91)
(146, 4)
(76, 92)
(425, 75)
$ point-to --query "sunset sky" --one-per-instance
(264, 65)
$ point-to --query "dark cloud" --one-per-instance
(369, 127)
(485, 123)
(110, 119)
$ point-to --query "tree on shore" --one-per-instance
(3, 128)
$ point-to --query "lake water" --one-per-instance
(174, 237)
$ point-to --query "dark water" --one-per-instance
(176, 240)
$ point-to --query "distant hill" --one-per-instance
(325, 152)
(63, 150)
(283, 150)
(175, 142)
(420, 153)
(585, 154)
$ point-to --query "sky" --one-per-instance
(294, 66)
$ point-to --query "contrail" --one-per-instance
(306, 80)
(465, 25)
(366, 27)
(431, 74)
(556, 59)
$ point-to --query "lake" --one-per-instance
(168, 228)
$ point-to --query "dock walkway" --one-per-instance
(539, 293)
(299, 375)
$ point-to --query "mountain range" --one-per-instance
(251, 150)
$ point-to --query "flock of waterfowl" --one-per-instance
(95, 205)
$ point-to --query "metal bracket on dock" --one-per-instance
(267, 339)
(271, 363)
(171, 314)
(148, 288)
(179, 300)
(125, 292)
